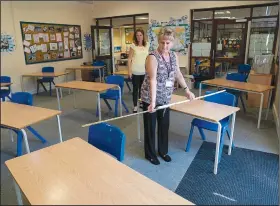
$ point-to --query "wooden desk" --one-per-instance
(20, 116)
(207, 64)
(6, 84)
(88, 86)
(76, 173)
(43, 74)
(87, 68)
(242, 86)
(121, 72)
(208, 111)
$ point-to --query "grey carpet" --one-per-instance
(246, 177)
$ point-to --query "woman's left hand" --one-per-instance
(190, 95)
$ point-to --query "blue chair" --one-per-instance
(46, 80)
(107, 138)
(240, 78)
(113, 94)
(244, 69)
(221, 98)
(95, 73)
(5, 92)
(27, 99)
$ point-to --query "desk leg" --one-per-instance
(11, 135)
(58, 100)
(18, 193)
(22, 86)
(74, 98)
(260, 111)
(231, 132)
(99, 106)
(25, 140)
(199, 94)
(100, 75)
(120, 94)
(268, 106)
(138, 123)
(59, 127)
(217, 148)
(60, 93)
(103, 74)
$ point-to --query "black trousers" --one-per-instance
(162, 118)
(137, 81)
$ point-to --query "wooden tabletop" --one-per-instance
(121, 72)
(245, 86)
(45, 74)
(89, 86)
(207, 64)
(76, 173)
(203, 109)
(6, 84)
(19, 116)
(85, 68)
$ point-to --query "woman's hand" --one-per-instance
(151, 107)
(189, 95)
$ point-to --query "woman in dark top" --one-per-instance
(162, 68)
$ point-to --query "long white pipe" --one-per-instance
(158, 108)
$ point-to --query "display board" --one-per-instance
(181, 29)
(47, 42)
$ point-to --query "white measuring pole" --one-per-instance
(158, 108)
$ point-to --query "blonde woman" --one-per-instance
(162, 68)
(138, 53)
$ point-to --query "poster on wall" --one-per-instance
(181, 29)
(48, 42)
(7, 43)
(87, 42)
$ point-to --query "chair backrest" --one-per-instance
(115, 79)
(236, 77)
(98, 63)
(6, 79)
(221, 98)
(107, 138)
(244, 68)
(48, 69)
(22, 98)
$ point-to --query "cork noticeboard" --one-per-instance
(47, 42)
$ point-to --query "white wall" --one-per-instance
(67, 12)
(160, 10)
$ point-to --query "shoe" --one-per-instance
(135, 110)
(166, 158)
(154, 161)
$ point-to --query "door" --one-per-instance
(102, 45)
(228, 46)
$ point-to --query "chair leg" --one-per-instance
(116, 107)
(127, 84)
(53, 82)
(221, 144)
(229, 138)
(37, 87)
(50, 88)
(9, 98)
(44, 86)
(19, 143)
(190, 139)
(36, 134)
(97, 111)
(124, 105)
(243, 105)
(108, 105)
(201, 133)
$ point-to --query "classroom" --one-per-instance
(140, 102)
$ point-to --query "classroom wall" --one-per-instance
(67, 12)
(160, 11)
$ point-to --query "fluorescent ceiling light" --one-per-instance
(228, 12)
(142, 17)
(219, 12)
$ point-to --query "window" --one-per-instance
(200, 15)
(232, 13)
(265, 11)
(104, 22)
